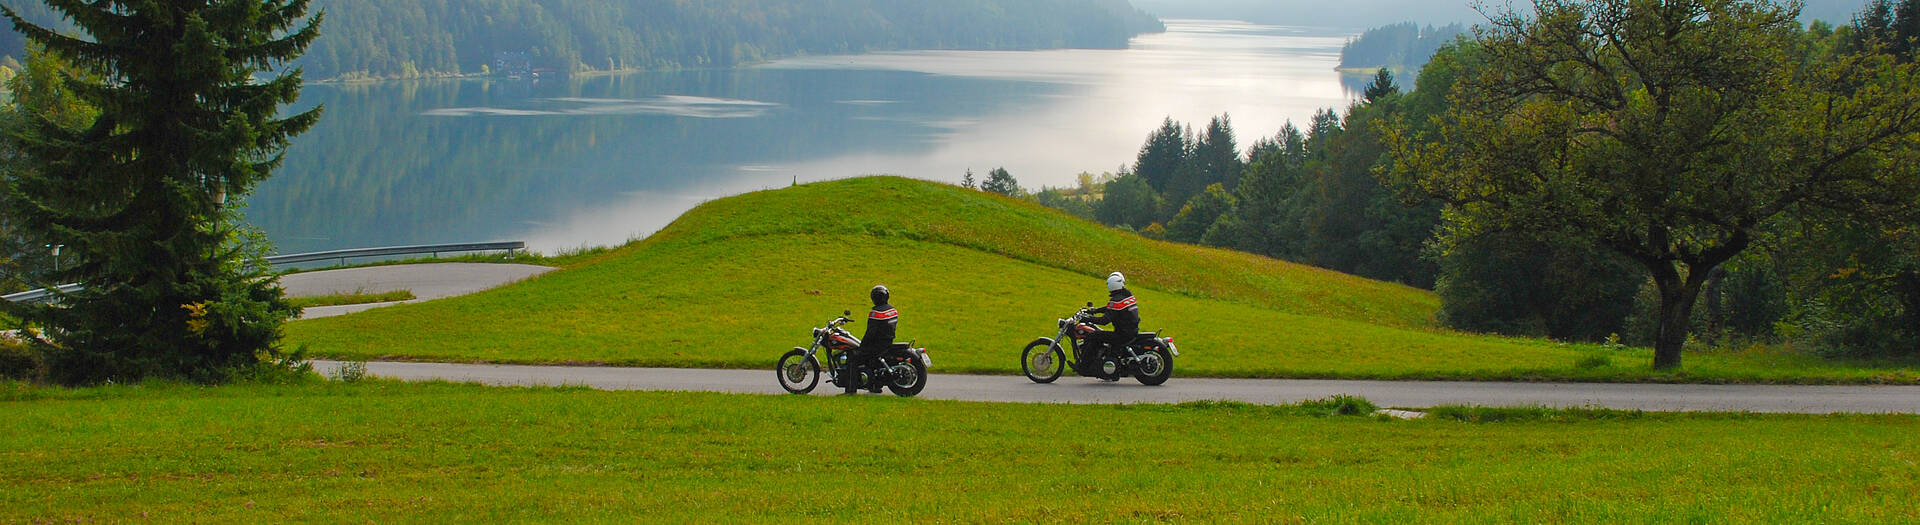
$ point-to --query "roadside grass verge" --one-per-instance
(389, 452)
(356, 297)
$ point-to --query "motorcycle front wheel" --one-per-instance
(908, 385)
(798, 372)
(1043, 362)
(1154, 367)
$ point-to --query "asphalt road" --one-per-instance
(1399, 394)
(426, 281)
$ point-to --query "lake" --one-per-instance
(599, 160)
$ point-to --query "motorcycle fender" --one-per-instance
(925, 360)
(1047, 340)
(1171, 349)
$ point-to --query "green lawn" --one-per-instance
(386, 452)
(738, 281)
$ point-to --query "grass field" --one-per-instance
(387, 452)
(351, 298)
(737, 281)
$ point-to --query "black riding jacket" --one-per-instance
(882, 323)
(1122, 311)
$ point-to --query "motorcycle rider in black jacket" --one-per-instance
(882, 323)
(1123, 312)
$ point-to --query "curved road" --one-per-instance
(427, 281)
(1399, 394)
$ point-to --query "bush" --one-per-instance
(1341, 405)
(20, 361)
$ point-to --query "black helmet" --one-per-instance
(880, 294)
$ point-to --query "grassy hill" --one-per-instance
(737, 281)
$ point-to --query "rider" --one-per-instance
(882, 322)
(1123, 312)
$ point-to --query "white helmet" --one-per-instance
(1116, 281)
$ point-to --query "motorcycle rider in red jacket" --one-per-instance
(883, 322)
(1123, 312)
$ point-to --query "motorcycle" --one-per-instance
(902, 369)
(1149, 358)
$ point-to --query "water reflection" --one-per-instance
(598, 160)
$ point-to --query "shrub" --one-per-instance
(1341, 405)
(19, 360)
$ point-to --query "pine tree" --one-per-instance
(145, 196)
(1001, 182)
(1382, 86)
(968, 182)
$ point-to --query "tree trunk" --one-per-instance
(1677, 295)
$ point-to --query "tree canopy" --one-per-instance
(1671, 132)
(144, 194)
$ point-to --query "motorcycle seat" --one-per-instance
(1145, 337)
(901, 346)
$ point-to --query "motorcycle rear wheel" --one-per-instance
(1154, 367)
(908, 385)
(797, 372)
(1044, 365)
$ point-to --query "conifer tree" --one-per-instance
(189, 121)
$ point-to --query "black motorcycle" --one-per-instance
(1149, 358)
(902, 368)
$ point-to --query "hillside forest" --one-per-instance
(363, 39)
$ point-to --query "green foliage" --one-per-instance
(1891, 26)
(18, 360)
(445, 37)
(1341, 405)
(1518, 285)
(1129, 200)
(1402, 47)
(39, 89)
(1001, 182)
(144, 196)
(1200, 214)
(1672, 134)
(1381, 87)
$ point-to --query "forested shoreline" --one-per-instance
(1331, 195)
(362, 39)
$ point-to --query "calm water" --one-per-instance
(600, 160)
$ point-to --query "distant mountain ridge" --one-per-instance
(1360, 14)
(415, 38)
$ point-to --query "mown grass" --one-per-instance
(358, 297)
(736, 282)
(386, 452)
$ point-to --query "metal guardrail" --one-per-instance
(435, 249)
(41, 295)
(44, 295)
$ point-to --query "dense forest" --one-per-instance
(1402, 48)
(1374, 13)
(369, 39)
(1840, 287)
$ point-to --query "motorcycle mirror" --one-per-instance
(846, 313)
(1089, 304)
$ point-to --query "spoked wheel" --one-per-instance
(1154, 367)
(798, 372)
(907, 385)
(1043, 361)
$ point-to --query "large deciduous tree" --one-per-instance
(1673, 132)
(189, 120)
